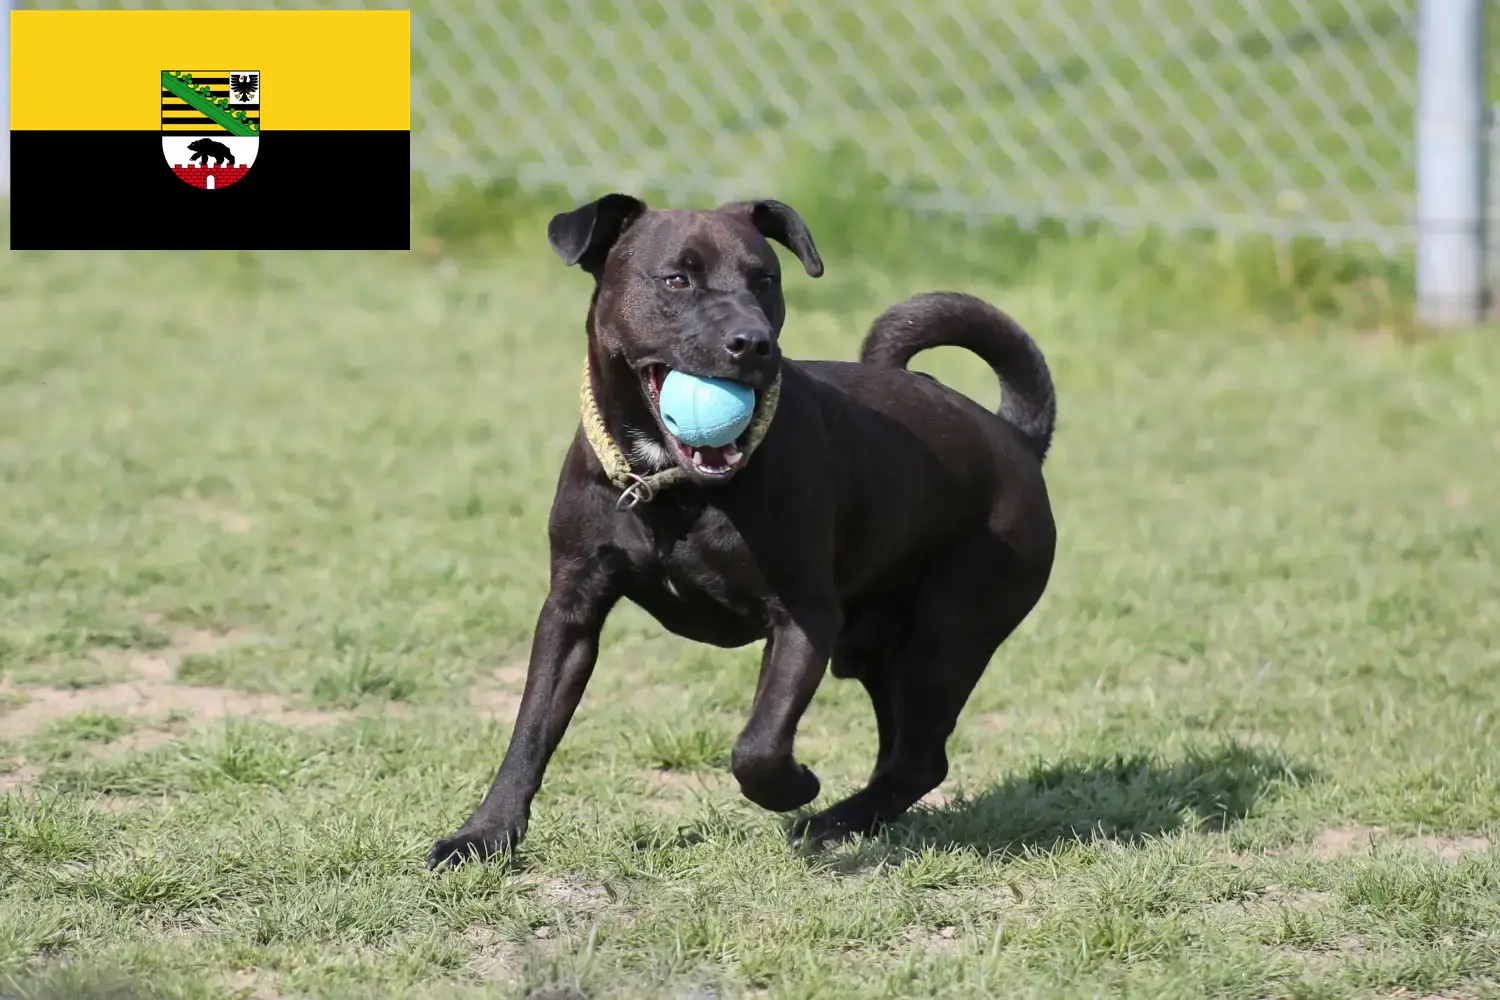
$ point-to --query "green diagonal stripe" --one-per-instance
(203, 104)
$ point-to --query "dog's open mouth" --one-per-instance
(705, 460)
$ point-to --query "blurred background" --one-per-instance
(1286, 126)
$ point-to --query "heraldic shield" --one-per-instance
(210, 125)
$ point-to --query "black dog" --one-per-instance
(869, 518)
(204, 148)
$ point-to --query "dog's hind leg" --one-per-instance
(867, 649)
(878, 687)
(969, 604)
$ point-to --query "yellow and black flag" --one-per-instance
(209, 130)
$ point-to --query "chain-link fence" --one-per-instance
(1284, 117)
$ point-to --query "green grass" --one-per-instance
(1273, 615)
(71, 733)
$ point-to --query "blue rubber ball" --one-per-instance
(705, 412)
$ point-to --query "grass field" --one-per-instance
(271, 544)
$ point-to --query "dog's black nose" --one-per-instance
(741, 343)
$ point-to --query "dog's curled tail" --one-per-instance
(953, 319)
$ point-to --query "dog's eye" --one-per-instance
(677, 281)
(764, 281)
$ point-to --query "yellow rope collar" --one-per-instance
(634, 488)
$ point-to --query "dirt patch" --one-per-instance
(115, 805)
(1296, 898)
(1342, 842)
(152, 698)
(942, 941)
(572, 892)
(640, 696)
(1453, 848)
(498, 695)
(22, 776)
(247, 984)
(1327, 958)
(674, 791)
(939, 797)
(492, 704)
(186, 641)
(700, 780)
(138, 741)
(1360, 841)
(513, 675)
(495, 960)
(1267, 903)
(993, 722)
(226, 518)
(1354, 944)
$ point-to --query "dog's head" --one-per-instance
(696, 292)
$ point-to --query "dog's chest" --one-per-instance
(698, 580)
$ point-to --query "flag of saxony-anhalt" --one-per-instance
(210, 130)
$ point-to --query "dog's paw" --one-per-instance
(779, 785)
(812, 832)
(822, 830)
(473, 845)
(854, 816)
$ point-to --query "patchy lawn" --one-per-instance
(271, 544)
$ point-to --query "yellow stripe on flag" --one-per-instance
(100, 70)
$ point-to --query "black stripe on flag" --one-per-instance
(334, 190)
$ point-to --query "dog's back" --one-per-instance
(918, 464)
(953, 319)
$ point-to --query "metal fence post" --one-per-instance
(1451, 156)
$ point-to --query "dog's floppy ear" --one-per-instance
(584, 235)
(780, 222)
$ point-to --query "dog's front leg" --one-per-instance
(791, 669)
(564, 649)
